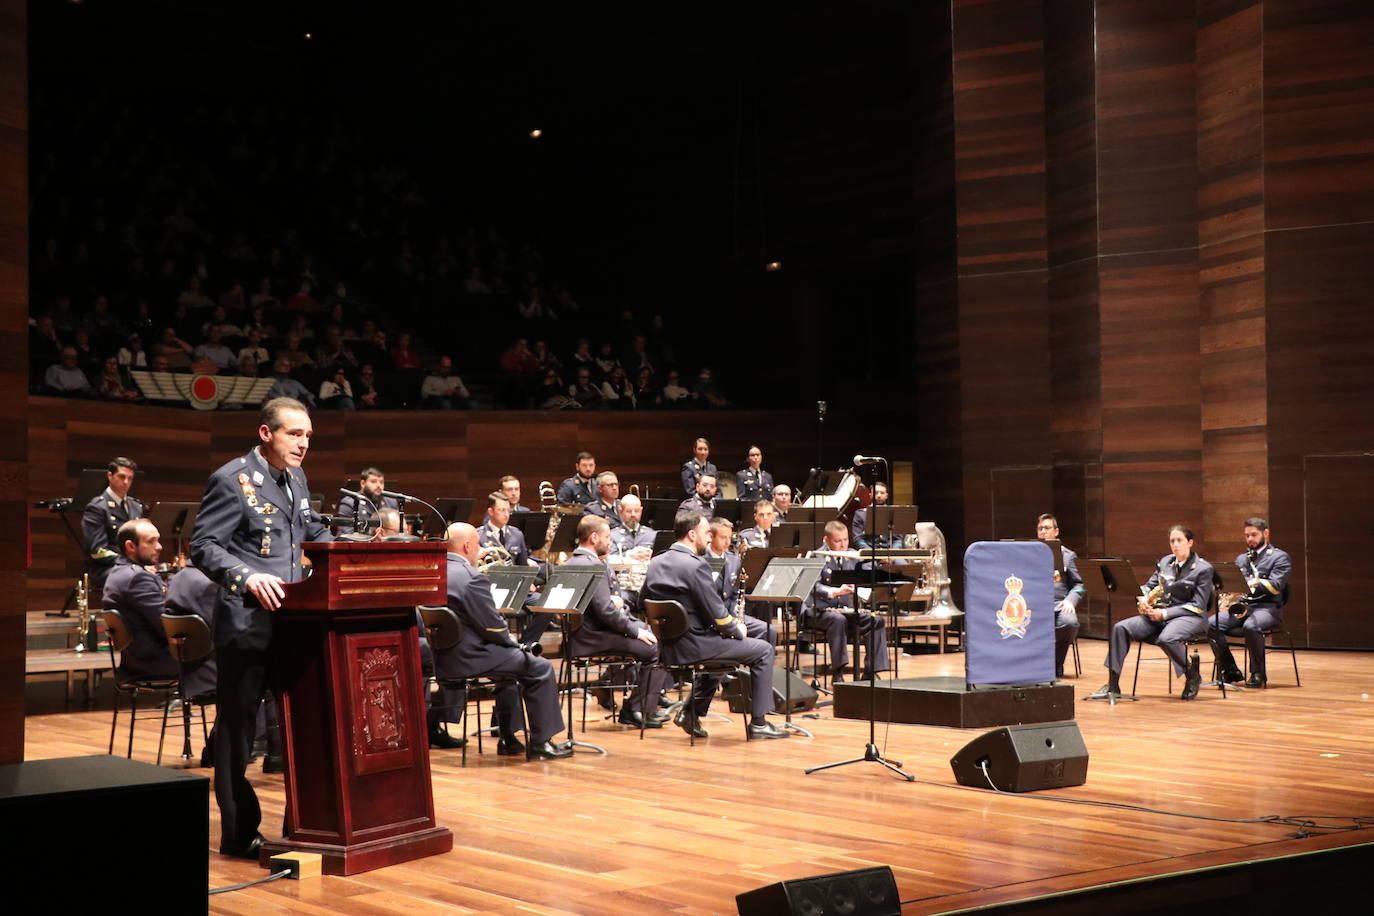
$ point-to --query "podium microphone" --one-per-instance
(354, 493)
(861, 460)
(443, 522)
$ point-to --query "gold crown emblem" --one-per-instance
(1013, 584)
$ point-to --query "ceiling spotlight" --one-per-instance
(309, 35)
(773, 266)
(536, 134)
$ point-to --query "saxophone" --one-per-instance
(85, 628)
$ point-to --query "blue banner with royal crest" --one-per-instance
(1009, 613)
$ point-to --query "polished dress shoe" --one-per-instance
(693, 729)
(509, 747)
(1257, 681)
(273, 763)
(548, 750)
(664, 702)
(766, 730)
(439, 737)
(1106, 692)
(1192, 679)
(636, 719)
(250, 851)
(1232, 676)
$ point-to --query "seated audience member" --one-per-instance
(706, 391)
(177, 351)
(65, 378)
(586, 394)
(112, 384)
(255, 349)
(442, 390)
(674, 395)
(214, 349)
(287, 387)
(368, 395)
(336, 393)
(402, 356)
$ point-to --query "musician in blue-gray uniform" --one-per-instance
(632, 536)
(580, 488)
(190, 591)
(822, 611)
(1266, 570)
(753, 483)
(1068, 591)
(693, 468)
(102, 516)
(765, 516)
(858, 534)
(486, 649)
(510, 488)
(729, 580)
(1176, 616)
(361, 514)
(254, 517)
(703, 501)
(681, 574)
(496, 531)
(133, 589)
(608, 627)
(607, 502)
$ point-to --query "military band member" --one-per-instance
(254, 517)
(782, 500)
(391, 526)
(722, 532)
(703, 501)
(765, 516)
(607, 625)
(190, 591)
(134, 589)
(497, 531)
(607, 502)
(858, 535)
(1068, 591)
(753, 483)
(633, 538)
(822, 610)
(681, 574)
(486, 649)
(358, 513)
(693, 468)
(580, 488)
(103, 516)
(510, 488)
(1266, 571)
(1186, 582)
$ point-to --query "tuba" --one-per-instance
(937, 571)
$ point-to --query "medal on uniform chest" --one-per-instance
(250, 493)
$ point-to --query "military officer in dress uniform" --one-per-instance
(486, 649)
(633, 538)
(496, 531)
(722, 531)
(254, 517)
(1068, 591)
(782, 500)
(753, 483)
(608, 627)
(103, 516)
(134, 589)
(607, 502)
(580, 488)
(858, 536)
(765, 516)
(359, 512)
(703, 501)
(821, 611)
(1180, 615)
(510, 487)
(681, 574)
(693, 468)
(1266, 571)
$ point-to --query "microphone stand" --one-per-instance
(442, 521)
(871, 752)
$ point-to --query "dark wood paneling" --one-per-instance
(1339, 501)
(14, 359)
(1018, 496)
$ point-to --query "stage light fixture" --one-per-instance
(536, 134)
(773, 266)
(309, 35)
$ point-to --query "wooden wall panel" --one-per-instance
(1339, 500)
(14, 360)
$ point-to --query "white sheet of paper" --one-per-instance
(499, 594)
(560, 596)
(864, 592)
(766, 584)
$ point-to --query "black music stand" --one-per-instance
(510, 585)
(176, 520)
(790, 535)
(568, 591)
(1114, 577)
(728, 509)
(787, 581)
(659, 514)
(564, 538)
(455, 508)
(803, 515)
(534, 526)
(663, 539)
(890, 519)
(820, 482)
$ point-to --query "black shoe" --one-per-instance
(249, 851)
(806, 646)
(1106, 692)
(1232, 676)
(695, 730)
(273, 763)
(664, 702)
(837, 677)
(636, 719)
(1058, 672)
(1257, 681)
(510, 747)
(603, 697)
(549, 751)
(207, 760)
(439, 737)
(1192, 679)
(766, 730)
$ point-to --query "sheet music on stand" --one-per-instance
(756, 558)
(568, 589)
(510, 585)
(786, 580)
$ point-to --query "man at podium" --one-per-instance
(253, 519)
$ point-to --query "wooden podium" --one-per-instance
(356, 745)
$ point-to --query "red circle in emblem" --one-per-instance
(204, 387)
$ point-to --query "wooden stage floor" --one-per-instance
(659, 827)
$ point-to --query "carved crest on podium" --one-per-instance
(380, 725)
(1014, 615)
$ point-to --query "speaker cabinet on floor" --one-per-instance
(802, 694)
(1023, 758)
(864, 892)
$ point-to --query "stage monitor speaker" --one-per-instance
(1024, 758)
(864, 892)
(803, 695)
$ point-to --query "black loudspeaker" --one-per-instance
(741, 687)
(1023, 758)
(865, 892)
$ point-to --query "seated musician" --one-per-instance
(487, 649)
(496, 531)
(1168, 618)
(633, 539)
(731, 588)
(1068, 591)
(1266, 570)
(824, 606)
(359, 512)
(765, 515)
(681, 574)
(753, 483)
(580, 488)
(703, 502)
(693, 468)
(782, 500)
(857, 528)
(607, 502)
(391, 526)
(608, 627)
(510, 488)
(134, 589)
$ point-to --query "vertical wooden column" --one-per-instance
(14, 361)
